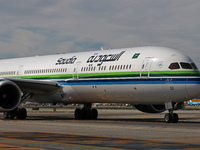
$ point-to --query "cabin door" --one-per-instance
(146, 66)
(19, 71)
(76, 70)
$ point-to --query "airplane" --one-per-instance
(152, 79)
(190, 102)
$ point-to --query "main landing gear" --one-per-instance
(19, 113)
(170, 117)
(86, 112)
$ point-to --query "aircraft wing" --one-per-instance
(36, 86)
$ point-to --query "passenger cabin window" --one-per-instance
(186, 65)
(174, 65)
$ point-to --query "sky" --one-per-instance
(41, 27)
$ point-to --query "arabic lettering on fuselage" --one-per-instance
(104, 58)
(63, 61)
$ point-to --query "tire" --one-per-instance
(21, 113)
(5, 115)
(168, 118)
(175, 118)
(24, 112)
(77, 113)
(11, 115)
(94, 114)
(84, 114)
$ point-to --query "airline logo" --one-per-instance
(100, 59)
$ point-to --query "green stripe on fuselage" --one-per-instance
(114, 75)
(174, 73)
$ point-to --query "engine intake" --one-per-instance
(151, 108)
(10, 96)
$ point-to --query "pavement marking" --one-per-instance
(13, 147)
(94, 141)
(152, 116)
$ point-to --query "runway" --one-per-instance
(114, 129)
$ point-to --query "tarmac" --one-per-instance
(114, 129)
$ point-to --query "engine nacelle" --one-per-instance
(10, 96)
(151, 108)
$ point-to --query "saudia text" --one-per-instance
(63, 61)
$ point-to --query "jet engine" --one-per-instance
(151, 108)
(10, 96)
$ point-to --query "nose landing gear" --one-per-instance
(170, 117)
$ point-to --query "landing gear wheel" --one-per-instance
(175, 118)
(77, 113)
(21, 113)
(85, 113)
(5, 115)
(11, 115)
(171, 118)
(168, 118)
(94, 113)
(17, 113)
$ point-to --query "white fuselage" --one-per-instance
(143, 75)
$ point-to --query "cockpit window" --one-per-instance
(194, 66)
(174, 65)
(183, 65)
(186, 65)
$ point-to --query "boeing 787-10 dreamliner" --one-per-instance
(152, 79)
